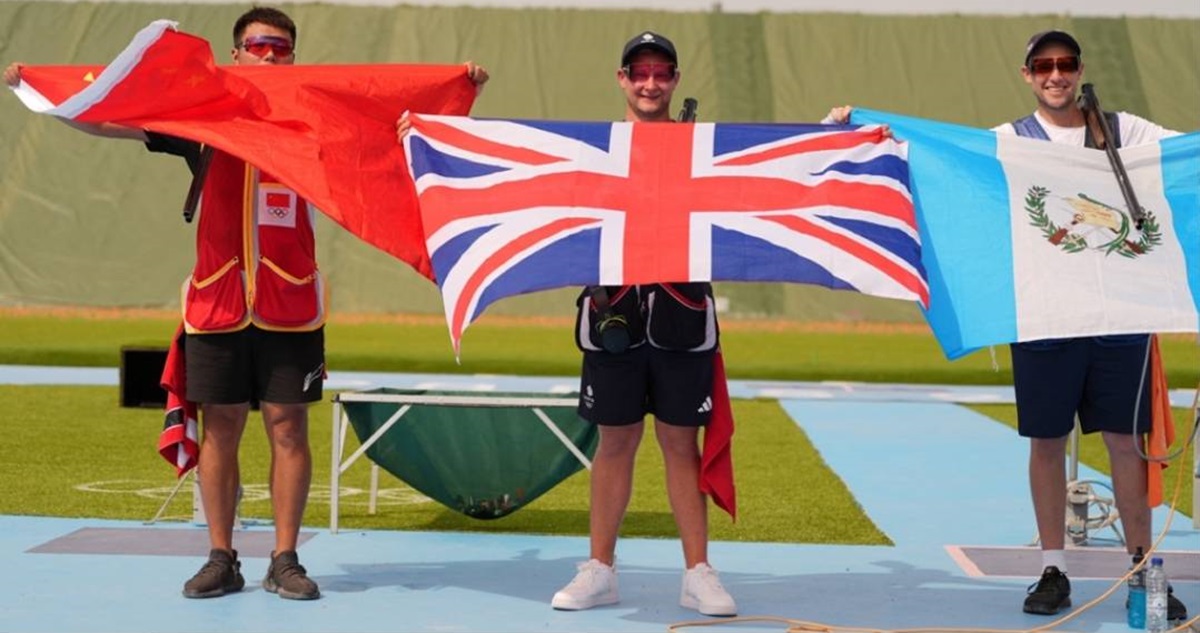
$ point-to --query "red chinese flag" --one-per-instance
(327, 131)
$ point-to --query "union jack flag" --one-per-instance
(510, 207)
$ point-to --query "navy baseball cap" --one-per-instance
(649, 40)
(1047, 37)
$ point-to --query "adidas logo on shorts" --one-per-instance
(706, 406)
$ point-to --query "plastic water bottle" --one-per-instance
(1156, 597)
(1135, 614)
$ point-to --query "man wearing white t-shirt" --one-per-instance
(1054, 70)
(1098, 378)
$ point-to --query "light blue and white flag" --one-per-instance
(1023, 239)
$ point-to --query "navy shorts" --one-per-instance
(620, 389)
(1096, 377)
(255, 365)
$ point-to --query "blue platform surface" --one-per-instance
(777, 389)
(934, 476)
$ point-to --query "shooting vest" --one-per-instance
(1029, 127)
(255, 255)
(678, 317)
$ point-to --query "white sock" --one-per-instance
(1054, 558)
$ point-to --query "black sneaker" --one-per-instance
(222, 574)
(1050, 594)
(1176, 610)
(288, 578)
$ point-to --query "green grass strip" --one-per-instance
(72, 452)
(1093, 453)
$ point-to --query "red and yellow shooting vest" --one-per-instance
(255, 256)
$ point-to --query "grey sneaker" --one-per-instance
(220, 575)
(288, 578)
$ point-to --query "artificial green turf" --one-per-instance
(58, 438)
(1093, 453)
(71, 451)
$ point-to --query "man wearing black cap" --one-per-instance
(648, 56)
(664, 366)
(1099, 378)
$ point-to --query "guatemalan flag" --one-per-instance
(1024, 239)
(510, 207)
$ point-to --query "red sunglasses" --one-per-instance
(260, 45)
(1046, 65)
(662, 73)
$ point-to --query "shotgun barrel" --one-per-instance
(197, 187)
(1102, 135)
(688, 113)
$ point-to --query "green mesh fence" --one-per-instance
(86, 221)
(484, 455)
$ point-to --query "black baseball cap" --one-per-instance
(1046, 37)
(648, 40)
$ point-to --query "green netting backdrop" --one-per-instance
(95, 222)
(483, 461)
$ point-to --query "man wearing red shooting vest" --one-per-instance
(255, 253)
(253, 313)
(253, 308)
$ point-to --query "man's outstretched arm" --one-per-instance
(12, 77)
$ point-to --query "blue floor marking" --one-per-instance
(925, 473)
(423, 581)
(777, 389)
(929, 473)
(951, 477)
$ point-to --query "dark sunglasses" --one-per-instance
(1046, 65)
(661, 73)
(259, 45)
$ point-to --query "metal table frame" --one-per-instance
(341, 423)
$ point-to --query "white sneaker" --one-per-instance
(703, 592)
(595, 585)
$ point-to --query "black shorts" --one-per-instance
(1097, 377)
(255, 364)
(620, 389)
